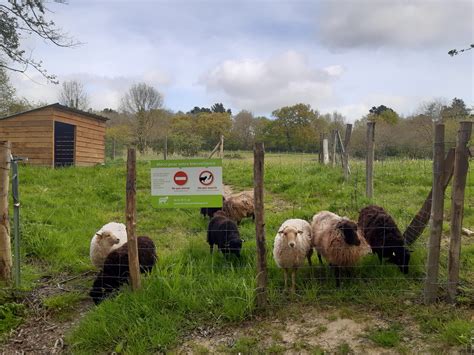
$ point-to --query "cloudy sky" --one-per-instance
(261, 55)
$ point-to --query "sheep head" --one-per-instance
(290, 234)
(107, 237)
(401, 258)
(349, 231)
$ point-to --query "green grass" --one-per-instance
(11, 315)
(458, 332)
(63, 306)
(388, 338)
(62, 208)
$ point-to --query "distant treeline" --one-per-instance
(294, 128)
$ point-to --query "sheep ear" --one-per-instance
(99, 235)
(280, 231)
(242, 239)
(300, 231)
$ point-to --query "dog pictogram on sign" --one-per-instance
(206, 177)
(180, 178)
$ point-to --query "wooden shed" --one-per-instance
(56, 135)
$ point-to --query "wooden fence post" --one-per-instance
(461, 165)
(419, 222)
(258, 174)
(130, 216)
(369, 161)
(437, 208)
(165, 149)
(321, 155)
(325, 151)
(334, 146)
(5, 244)
(347, 140)
(222, 146)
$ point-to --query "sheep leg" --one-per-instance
(293, 280)
(337, 273)
(380, 256)
(310, 253)
(319, 257)
(285, 275)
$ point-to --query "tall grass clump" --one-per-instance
(185, 290)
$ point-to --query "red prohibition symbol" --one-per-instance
(180, 178)
(206, 177)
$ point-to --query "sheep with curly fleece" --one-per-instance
(384, 237)
(110, 237)
(291, 246)
(338, 241)
(115, 271)
(239, 206)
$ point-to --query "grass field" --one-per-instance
(62, 208)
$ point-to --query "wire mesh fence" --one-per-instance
(64, 208)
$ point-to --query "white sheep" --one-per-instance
(338, 240)
(292, 245)
(110, 237)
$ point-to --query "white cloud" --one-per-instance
(396, 23)
(265, 85)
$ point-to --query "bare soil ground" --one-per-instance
(43, 331)
(307, 330)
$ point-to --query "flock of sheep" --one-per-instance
(339, 240)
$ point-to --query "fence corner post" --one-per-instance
(461, 166)
(258, 170)
(437, 208)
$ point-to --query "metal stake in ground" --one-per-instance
(130, 216)
(258, 172)
(16, 216)
(461, 165)
(437, 207)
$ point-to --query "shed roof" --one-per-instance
(58, 106)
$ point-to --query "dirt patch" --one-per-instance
(307, 331)
(43, 331)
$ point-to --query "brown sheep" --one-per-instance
(239, 206)
(338, 241)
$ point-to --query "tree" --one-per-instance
(293, 125)
(139, 102)
(457, 110)
(7, 93)
(384, 114)
(9, 103)
(454, 52)
(20, 20)
(216, 108)
(219, 108)
(73, 95)
(210, 126)
(242, 132)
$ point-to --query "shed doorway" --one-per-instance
(64, 139)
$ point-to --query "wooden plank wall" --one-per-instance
(90, 137)
(31, 135)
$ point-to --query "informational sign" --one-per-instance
(189, 183)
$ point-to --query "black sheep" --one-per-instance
(115, 271)
(384, 237)
(223, 232)
(210, 211)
